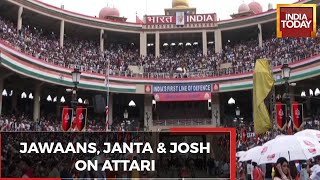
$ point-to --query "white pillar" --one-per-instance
(143, 44)
(204, 43)
(102, 35)
(36, 103)
(260, 35)
(19, 25)
(61, 33)
(148, 123)
(1, 89)
(215, 104)
(157, 44)
(218, 41)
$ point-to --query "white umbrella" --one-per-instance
(315, 134)
(240, 154)
(290, 147)
(252, 154)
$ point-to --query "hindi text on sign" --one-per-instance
(192, 18)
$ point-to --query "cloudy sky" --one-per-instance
(129, 8)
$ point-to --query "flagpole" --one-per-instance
(108, 94)
(146, 7)
(272, 103)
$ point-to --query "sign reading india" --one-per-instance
(181, 88)
(190, 18)
(296, 20)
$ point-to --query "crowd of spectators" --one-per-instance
(184, 60)
(251, 139)
(20, 123)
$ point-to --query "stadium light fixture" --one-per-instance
(188, 44)
(310, 92)
(303, 94)
(30, 96)
(154, 102)
(231, 101)
(173, 44)
(132, 104)
(55, 99)
(80, 101)
(86, 102)
(49, 98)
(165, 44)
(23, 95)
(76, 74)
(11, 93)
(4, 92)
(317, 92)
(63, 100)
(180, 44)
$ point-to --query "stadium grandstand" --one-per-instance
(179, 69)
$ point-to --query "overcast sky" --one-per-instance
(129, 8)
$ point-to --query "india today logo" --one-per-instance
(296, 20)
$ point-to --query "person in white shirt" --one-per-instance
(249, 170)
(315, 170)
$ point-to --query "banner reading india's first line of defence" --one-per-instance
(182, 88)
(182, 92)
